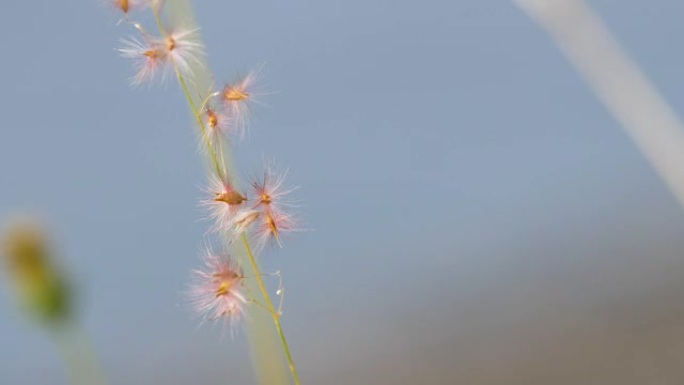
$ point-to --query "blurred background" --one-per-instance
(478, 217)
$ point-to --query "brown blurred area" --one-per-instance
(609, 346)
(601, 303)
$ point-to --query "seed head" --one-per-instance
(244, 220)
(270, 190)
(184, 48)
(238, 97)
(127, 6)
(269, 199)
(149, 57)
(156, 58)
(272, 223)
(217, 125)
(223, 202)
(216, 289)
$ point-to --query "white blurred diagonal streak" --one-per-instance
(618, 83)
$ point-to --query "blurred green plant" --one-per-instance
(46, 294)
(41, 287)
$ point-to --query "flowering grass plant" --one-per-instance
(253, 216)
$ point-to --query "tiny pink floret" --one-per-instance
(223, 203)
(269, 194)
(237, 98)
(128, 6)
(216, 290)
(149, 59)
(217, 125)
(184, 49)
(157, 58)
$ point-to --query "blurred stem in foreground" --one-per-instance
(47, 297)
(617, 82)
(79, 356)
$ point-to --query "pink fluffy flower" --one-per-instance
(184, 49)
(271, 224)
(149, 58)
(224, 203)
(238, 97)
(216, 289)
(217, 124)
(270, 200)
(243, 220)
(155, 58)
(127, 6)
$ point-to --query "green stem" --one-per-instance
(198, 117)
(276, 316)
(197, 113)
(263, 306)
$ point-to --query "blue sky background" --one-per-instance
(473, 204)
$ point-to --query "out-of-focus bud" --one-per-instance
(38, 283)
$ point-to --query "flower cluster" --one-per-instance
(260, 213)
(264, 212)
(229, 115)
(155, 57)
